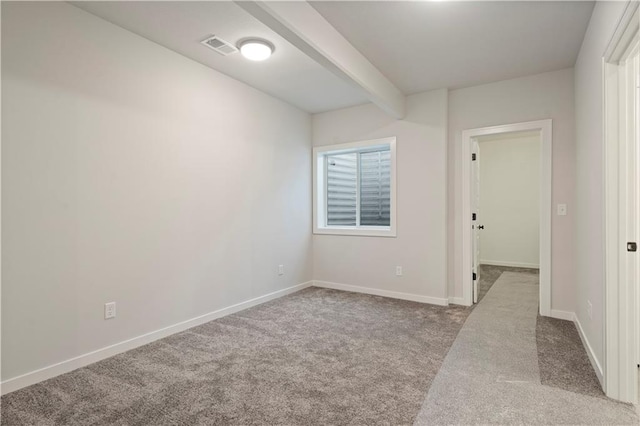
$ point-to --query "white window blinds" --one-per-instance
(359, 188)
(342, 189)
(375, 188)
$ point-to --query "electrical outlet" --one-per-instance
(280, 269)
(109, 310)
(398, 271)
(589, 309)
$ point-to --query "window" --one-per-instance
(354, 188)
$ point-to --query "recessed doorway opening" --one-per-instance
(505, 201)
(538, 134)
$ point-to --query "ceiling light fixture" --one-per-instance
(256, 49)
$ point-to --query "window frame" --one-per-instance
(320, 184)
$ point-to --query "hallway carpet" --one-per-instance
(490, 273)
(562, 358)
(491, 374)
(315, 357)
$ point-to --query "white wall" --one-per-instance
(132, 174)
(537, 97)
(590, 172)
(510, 200)
(421, 193)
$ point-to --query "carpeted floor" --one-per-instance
(315, 357)
(329, 357)
(490, 273)
(493, 368)
(562, 359)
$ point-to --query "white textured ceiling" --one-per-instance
(417, 45)
(424, 45)
(180, 26)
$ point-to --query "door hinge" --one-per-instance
(473, 157)
(473, 216)
(632, 247)
(475, 277)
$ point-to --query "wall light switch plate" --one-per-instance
(109, 310)
(562, 209)
(280, 269)
(589, 309)
(398, 271)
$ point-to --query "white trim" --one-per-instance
(319, 184)
(545, 128)
(510, 264)
(623, 33)
(456, 301)
(620, 299)
(590, 353)
(369, 231)
(54, 370)
(563, 315)
(384, 293)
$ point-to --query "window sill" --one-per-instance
(357, 232)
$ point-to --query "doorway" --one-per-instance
(505, 173)
(471, 239)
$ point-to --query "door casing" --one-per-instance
(475, 209)
(545, 129)
(621, 162)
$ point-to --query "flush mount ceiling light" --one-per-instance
(256, 49)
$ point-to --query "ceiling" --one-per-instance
(180, 26)
(417, 46)
(428, 45)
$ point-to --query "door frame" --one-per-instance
(621, 299)
(475, 225)
(546, 139)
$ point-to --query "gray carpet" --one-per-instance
(563, 360)
(328, 357)
(490, 273)
(315, 357)
(491, 374)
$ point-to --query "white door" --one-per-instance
(634, 217)
(622, 210)
(633, 182)
(630, 187)
(475, 211)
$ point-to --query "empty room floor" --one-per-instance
(329, 357)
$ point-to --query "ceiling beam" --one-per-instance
(301, 25)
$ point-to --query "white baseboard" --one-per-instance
(384, 293)
(563, 315)
(592, 356)
(54, 370)
(457, 301)
(511, 264)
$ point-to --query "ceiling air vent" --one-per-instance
(219, 45)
